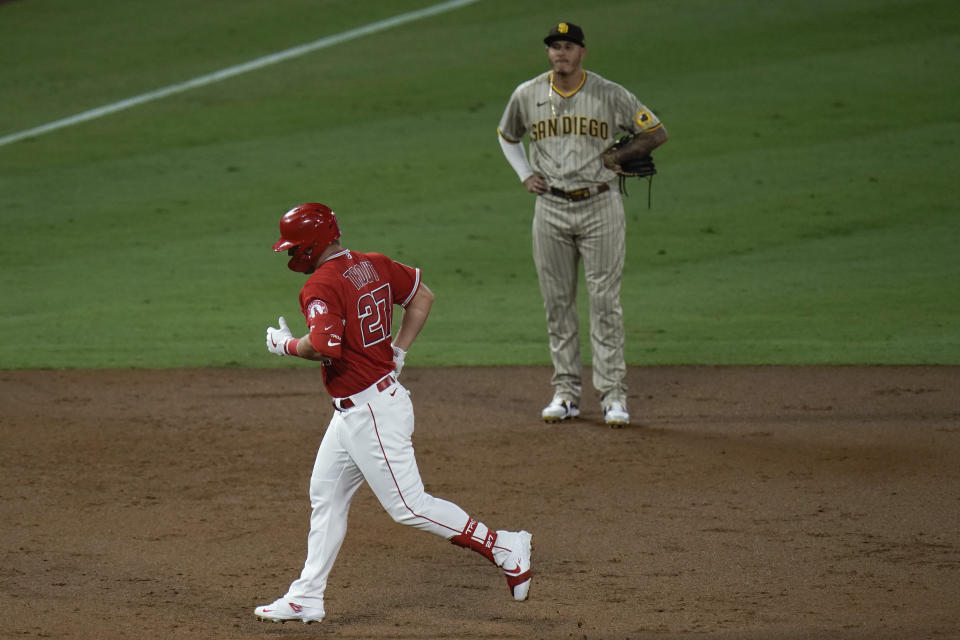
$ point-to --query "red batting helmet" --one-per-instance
(305, 231)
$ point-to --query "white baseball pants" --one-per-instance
(373, 442)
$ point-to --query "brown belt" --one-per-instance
(579, 194)
(347, 403)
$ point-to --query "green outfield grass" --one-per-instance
(805, 210)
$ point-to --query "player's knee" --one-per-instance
(321, 493)
(406, 510)
(402, 514)
(605, 305)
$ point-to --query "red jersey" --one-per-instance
(348, 304)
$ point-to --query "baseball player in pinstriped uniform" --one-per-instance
(348, 304)
(571, 117)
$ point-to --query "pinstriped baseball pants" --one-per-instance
(564, 233)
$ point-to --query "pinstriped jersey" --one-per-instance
(569, 132)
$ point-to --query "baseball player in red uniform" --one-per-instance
(348, 305)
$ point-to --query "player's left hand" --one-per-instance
(610, 163)
(630, 156)
(277, 339)
(398, 356)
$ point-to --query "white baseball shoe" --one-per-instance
(615, 414)
(560, 408)
(284, 610)
(518, 545)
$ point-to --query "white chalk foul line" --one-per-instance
(230, 72)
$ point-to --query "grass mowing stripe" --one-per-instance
(236, 70)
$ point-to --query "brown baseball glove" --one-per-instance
(627, 166)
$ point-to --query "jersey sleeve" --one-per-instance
(404, 280)
(325, 319)
(512, 127)
(633, 115)
(326, 328)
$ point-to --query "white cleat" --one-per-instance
(615, 414)
(284, 610)
(517, 567)
(559, 409)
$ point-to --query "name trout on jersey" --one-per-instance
(362, 274)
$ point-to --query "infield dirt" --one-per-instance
(744, 502)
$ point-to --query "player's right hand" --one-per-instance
(536, 183)
(277, 339)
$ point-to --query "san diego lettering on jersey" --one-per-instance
(569, 126)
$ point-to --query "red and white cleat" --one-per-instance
(284, 610)
(517, 566)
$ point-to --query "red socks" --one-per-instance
(478, 537)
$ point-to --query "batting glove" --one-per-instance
(281, 341)
(398, 356)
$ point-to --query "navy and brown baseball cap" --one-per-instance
(565, 31)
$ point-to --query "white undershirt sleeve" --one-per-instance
(516, 157)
